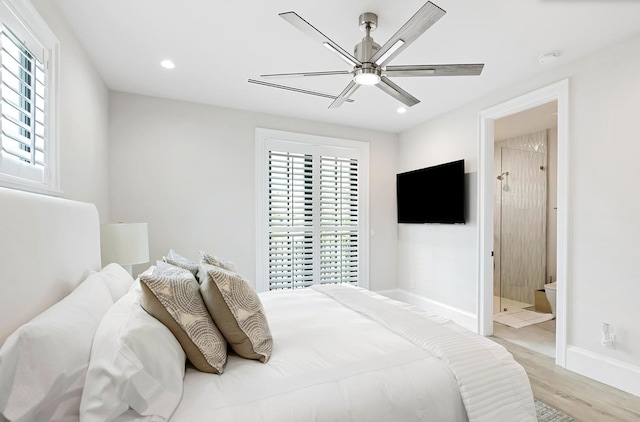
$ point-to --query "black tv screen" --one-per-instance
(432, 195)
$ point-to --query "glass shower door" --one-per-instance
(522, 219)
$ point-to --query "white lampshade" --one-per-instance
(125, 244)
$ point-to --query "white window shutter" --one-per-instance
(23, 101)
(339, 212)
(312, 215)
(290, 217)
(28, 57)
(290, 260)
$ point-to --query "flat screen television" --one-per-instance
(432, 195)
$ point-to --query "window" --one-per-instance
(28, 154)
(312, 210)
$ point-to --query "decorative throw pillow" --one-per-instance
(178, 260)
(237, 311)
(172, 295)
(217, 261)
(44, 362)
(136, 365)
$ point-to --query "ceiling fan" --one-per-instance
(369, 61)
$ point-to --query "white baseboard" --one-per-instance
(605, 369)
(464, 318)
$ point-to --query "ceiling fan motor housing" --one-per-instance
(365, 49)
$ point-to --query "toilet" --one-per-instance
(550, 290)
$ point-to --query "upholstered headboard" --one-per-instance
(46, 245)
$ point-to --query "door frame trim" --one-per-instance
(559, 92)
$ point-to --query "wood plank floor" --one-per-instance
(582, 398)
(539, 337)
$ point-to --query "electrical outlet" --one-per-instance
(608, 338)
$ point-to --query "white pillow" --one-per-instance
(44, 362)
(137, 366)
(178, 260)
(117, 280)
(217, 261)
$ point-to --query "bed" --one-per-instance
(338, 352)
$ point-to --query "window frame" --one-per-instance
(265, 140)
(23, 20)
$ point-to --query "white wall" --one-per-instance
(83, 113)
(435, 260)
(604, 228)
(189, 171)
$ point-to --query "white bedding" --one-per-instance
(331, 362)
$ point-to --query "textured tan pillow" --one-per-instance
(237, 311)
(172, 296)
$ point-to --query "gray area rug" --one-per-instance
(547, 413)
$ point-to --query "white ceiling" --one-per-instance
(218, 45)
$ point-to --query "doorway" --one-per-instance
(525, 210)
(557, 92)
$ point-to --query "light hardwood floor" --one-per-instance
(582, 398)
(539, 337)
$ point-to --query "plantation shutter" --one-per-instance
(23, 107)
(312, 224)
(290, 220)
(339, 220)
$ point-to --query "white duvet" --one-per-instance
(345, 354)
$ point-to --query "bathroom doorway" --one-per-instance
(556, 92)
(525, 168)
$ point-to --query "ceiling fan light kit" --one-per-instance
(369, 61)
(366, 75)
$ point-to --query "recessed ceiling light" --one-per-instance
(401, 110)
(547, 58)
(167, 64)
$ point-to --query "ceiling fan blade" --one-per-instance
(294, 89)
(345, 94)
(396, 92)
(302, 74)
(412, 29)
(294, 19)
(434, 70)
